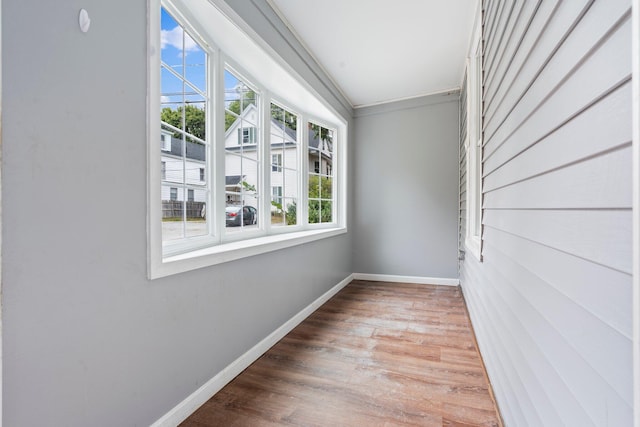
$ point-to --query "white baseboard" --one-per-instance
(188, 406)
(407, 279)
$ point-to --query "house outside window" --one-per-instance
(163, 170)
(201, 174)
(174, 194)
(190, 195)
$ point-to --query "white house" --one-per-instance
(174, 181)
(241, 145)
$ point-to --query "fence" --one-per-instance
(173, 209)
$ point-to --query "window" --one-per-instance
(272, 150)
(165, 141)
(276, 194)
(246, 136)
(284, 144)
(320, 185)
(183, 106)
(473, 145)
(276, 162)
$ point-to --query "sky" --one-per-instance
(188, 59)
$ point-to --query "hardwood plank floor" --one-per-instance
(376, 354)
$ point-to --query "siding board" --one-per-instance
(495, 31)
(577, 391)
(580, 233)
(508, 42)
(575, 278)
(551, 300)
(611, 64)
(521, 66)
(564, 78)
(597, 183)
(563, 21)
(570, 320)
(511, 59)
(518, 401)
(599, 128)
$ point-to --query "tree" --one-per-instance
(323, 133)
(247, 97)
(320, 203)
(283, 116)
(320, 210)
(194, 120)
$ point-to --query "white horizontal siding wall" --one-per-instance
(551, 301)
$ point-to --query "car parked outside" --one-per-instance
(236, 214)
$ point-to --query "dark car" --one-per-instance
(247, 214)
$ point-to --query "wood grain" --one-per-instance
(376, 354)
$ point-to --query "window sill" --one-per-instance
(232, 251)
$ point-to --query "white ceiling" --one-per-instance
(379, 51)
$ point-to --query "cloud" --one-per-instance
(174, 38)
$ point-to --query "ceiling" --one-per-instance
(378, 51)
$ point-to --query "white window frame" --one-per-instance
(289, 90)
(474, 142)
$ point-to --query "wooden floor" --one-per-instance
(376, 354)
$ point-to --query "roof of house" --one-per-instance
(195, 150)
(232, 179)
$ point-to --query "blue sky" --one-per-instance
(187, 59)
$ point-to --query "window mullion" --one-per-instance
(264, 165)
(218, 174)
(303, 136)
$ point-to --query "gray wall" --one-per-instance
(406, 191)
(551, 301)
(87, 339)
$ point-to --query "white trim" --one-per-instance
(185, 408)
(406, 98)
(407, 279)
(406, 104)
(473, 143)
(635, 57)
(218, 254)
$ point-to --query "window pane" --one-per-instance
(320, 181)
(196, 211)
(284, 165)
(326, 188)
(184, 145)
(242, 145)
